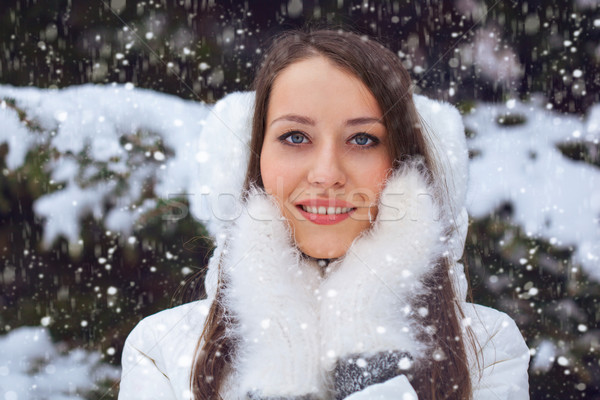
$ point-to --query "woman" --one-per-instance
(339, 279)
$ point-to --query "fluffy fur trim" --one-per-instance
(270, 293)
(365, 305)
(444, 134)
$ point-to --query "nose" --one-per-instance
(326, 169)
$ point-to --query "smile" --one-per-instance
(325, 212)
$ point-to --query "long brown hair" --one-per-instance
(383, 74)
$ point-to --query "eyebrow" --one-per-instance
(309, 121)
(364, 121)
(295, 118)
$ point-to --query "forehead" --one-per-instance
(317, 86)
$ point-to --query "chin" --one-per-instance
(318, 251)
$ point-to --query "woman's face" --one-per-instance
(325, 155)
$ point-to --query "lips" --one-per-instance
(325, 211)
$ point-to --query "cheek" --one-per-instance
(370, 179)
(278, 176)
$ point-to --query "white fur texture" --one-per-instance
(272, 296)
(365, 299)
(445, 135)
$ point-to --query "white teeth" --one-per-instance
(326, 210)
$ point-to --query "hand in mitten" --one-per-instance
(366, 299)
(355, 372)
(269, 292)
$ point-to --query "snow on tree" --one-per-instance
(33, 367)
(517, 159)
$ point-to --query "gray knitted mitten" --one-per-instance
(355, 372)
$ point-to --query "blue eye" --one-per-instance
(365, 140)
(294, 138)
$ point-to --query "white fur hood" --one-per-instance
(282, 303)
(227, 132)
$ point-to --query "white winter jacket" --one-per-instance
(158, 354)
(294, 319)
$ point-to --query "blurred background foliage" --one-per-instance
(202, 49)
(95, 292)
